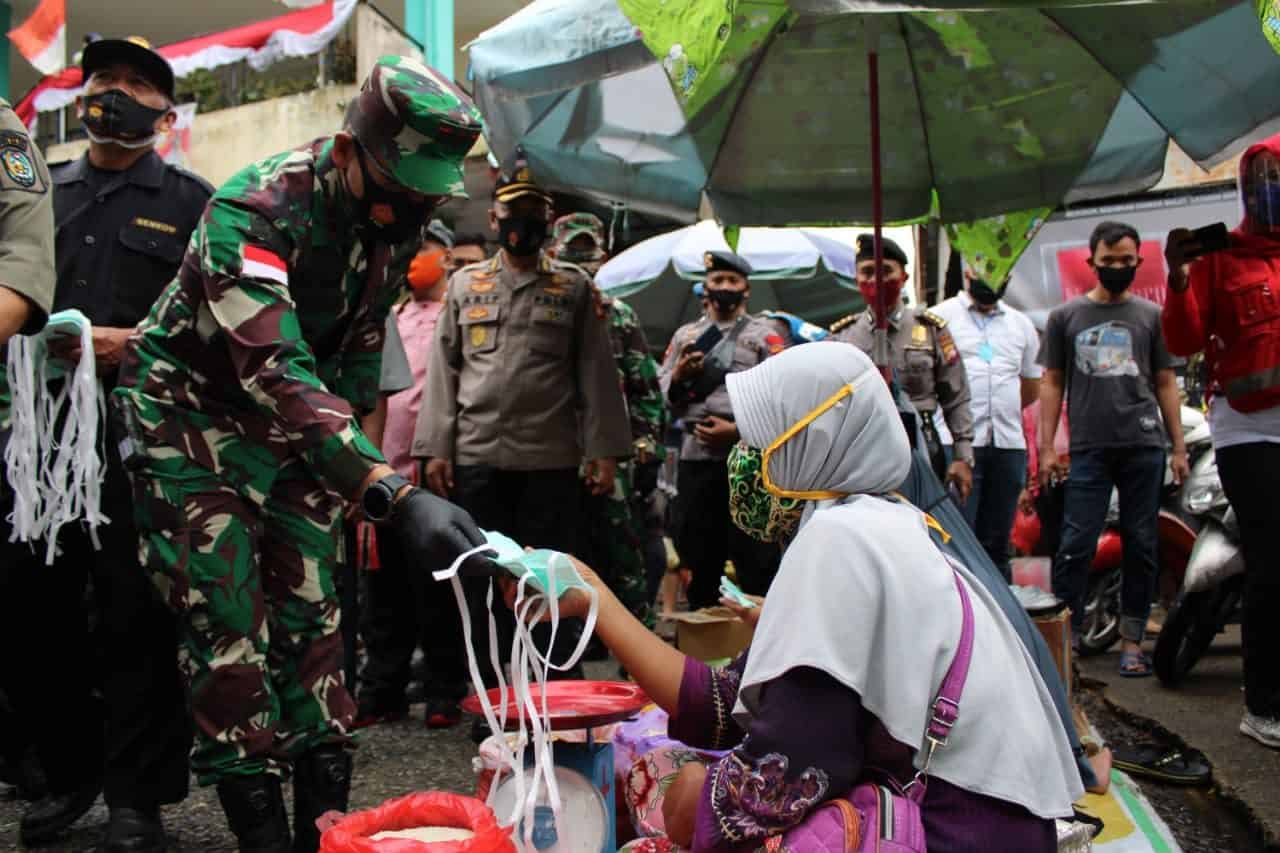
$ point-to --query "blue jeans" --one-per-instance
(1137, 473)
(998, 478)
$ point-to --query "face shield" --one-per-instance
(1260, 192)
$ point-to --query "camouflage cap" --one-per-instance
(416, 124)
(576, 225)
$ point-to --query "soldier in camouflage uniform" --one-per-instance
(241, 394)
(615, 522)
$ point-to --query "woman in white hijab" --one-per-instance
(855, 638)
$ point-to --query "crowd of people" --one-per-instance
(318, 393)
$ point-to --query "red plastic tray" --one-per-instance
(571, 704)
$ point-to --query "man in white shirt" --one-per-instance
(999, 346)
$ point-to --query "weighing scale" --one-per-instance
(584, 771)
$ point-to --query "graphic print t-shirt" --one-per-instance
(1108, 354)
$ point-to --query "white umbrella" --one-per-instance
(808, 272)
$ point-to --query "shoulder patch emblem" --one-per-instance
(18, 166)
(477, 313)
(948, 344)
(775, 343)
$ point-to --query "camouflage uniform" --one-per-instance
(244, 386)
(615, 522)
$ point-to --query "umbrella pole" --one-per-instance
(880, 349)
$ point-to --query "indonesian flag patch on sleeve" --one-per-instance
(262, 263)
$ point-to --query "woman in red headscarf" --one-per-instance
(1226, 303)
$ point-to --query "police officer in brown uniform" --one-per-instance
(26, 231)
(692, 377)
(925, 358)
(521, 387)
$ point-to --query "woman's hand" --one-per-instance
(573, 604)
(680, 804)
(750, 615)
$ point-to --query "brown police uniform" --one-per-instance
(927, 363)
(26, 219)
(703, 534)
(515, 355)
(756, 341)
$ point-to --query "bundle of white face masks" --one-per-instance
(55, 476)
(544, 576)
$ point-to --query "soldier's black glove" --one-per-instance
(434, 532)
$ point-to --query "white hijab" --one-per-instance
(864, 594)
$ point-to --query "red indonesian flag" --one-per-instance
(300, 33)
(42, 38)
(257, 262)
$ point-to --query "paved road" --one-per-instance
(1205, 714)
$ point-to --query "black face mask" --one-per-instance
(726, 300)
(1116, 279)
(982, 293)
(409, 215)
(522, 236)
(114, 116)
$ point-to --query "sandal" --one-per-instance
(1174, 766)
(1135, 665)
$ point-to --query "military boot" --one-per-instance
(321, 783)
(255, 811)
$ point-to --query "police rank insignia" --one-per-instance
(18, 166)
(477, 313)
(480, 286)
(479, 334)
(13, 139)
(919, 335)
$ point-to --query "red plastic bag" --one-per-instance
(352, 833)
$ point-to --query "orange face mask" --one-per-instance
(427, 269)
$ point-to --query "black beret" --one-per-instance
(891, 251)
(727, 261)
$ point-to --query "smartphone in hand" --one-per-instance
(1212, 238)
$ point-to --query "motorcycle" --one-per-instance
(1213, 585)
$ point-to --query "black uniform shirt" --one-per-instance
(120, 236)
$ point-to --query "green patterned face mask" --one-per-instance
(757, 513)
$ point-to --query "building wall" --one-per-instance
(224, 141)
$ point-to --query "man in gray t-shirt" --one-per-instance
(1106, 350)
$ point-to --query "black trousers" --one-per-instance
(1249, 475)
(137, 736)
(705, 536)
(538, 509)
(405, 606)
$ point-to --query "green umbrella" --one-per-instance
(980, 108)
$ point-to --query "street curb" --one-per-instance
(1219, 787)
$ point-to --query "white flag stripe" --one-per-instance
(54, 57)
(257, 269)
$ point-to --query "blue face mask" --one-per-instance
(548, 571)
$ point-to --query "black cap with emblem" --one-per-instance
(891, 250)
(727, 261)
(516, 179)
(135, 52)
